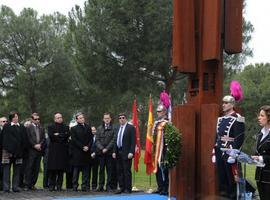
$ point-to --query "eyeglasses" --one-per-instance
(37, 119)
(4, 121)
(159, 111)
(121, 118)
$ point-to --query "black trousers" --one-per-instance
(15, 176)
(45, 171)
(114, 180)
(264, 190)
(94, 164)
(105, 161)
(32, 168)
(124, 172)
(162, 178)
(227, 185)
(55, 179)
(85, 177)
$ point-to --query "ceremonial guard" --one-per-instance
(230, 134)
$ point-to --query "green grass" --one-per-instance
(142, 181)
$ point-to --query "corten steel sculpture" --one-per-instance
(202, 30)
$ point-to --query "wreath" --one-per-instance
(173, 143)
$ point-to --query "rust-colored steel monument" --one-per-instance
(202, 29)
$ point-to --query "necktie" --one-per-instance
(37, 133)
(119, 139)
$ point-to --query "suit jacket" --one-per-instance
(14, 139)
(81, 136)
(128, 141)
(263, 149)
(32, 139)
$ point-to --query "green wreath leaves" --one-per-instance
(173, 142)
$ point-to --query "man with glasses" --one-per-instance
(124, 153)
(36, 138)
(3, 121)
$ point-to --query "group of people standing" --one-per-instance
(230, 135)
(67, 150)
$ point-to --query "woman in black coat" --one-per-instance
(262, 175)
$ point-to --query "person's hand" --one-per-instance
(85, 148)
(93, 155)
(104, 150)
(255, 158)
(37, 147)
(236, 178)
(130, 155)
(114, 155)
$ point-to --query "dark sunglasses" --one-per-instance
(37, 119)
(121, 118)
(4, 121)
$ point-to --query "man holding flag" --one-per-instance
(160, 148)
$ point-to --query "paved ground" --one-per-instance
(46, 195)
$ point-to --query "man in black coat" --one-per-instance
(105, 141)
(13, 140)
(124, 153)
(58, 152)
(81, 141)
(36, 138)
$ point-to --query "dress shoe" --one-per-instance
(127, 191)
(119, 191)
(156, 191)
(164, 193)
(100, 189)
(16, 190)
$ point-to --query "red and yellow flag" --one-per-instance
(135, 123)
(149, 140)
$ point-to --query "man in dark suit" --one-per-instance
(36, 138)
(105, 140)
(124, 153)
(58, 156)
(13, 140)
(94, 163)
(81, 141)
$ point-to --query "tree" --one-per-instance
(30, 51)
(255, 82)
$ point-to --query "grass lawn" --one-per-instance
(142, 181)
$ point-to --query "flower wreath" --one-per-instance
(173, 143)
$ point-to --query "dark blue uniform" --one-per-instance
(230, 134)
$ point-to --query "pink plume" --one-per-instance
(236, 90)
(165, 99)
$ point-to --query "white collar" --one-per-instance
(265, 130)
(13, 124)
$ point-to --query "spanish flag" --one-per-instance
(149, 140)
(135, 123)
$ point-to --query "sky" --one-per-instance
(257, 12)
